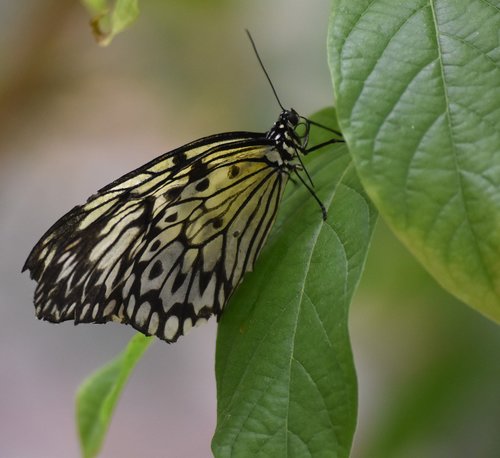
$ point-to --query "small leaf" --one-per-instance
(418, 91)
(97, 396)
(108, 21)
(286, 384)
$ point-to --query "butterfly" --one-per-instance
(165, 246)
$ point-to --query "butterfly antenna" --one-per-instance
(264, 68)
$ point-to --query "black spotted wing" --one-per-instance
(163, 247)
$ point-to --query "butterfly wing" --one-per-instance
(163, 247)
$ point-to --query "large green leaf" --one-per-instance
(97, 396)
(418, 90)
(286, 383)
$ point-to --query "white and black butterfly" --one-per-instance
(163, 247)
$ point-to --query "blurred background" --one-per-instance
(74, 116)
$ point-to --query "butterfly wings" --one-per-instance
(163, 247)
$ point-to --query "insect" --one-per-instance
(164, 247)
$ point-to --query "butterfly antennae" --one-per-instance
(264, 68)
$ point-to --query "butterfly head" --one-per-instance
(290, 134)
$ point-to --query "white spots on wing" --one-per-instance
(195, 216)
(70, 309)
(171, 229)
(129, 271)
(128, 285)
(221, 297)
(94, 312)
(69, 285)
(63, 257)
(171, 327)
(110, 307)
(114, 243)
(238, 267)
(187, 326)
(49, 258)
(188, 259)
(39, 291)
(169, 248)
(107, 250)
(169, 256)
(80, 279)
(202, 300)
(149, 184)
(56, 313)
(99, 200)
(231, 254)
(131, 182)
(111, 278)
(72, 245)
(45, 306)
(153, 323)
(170, 297)
(169, 216)
(121, 215)
(120, 314)
(86, 284)
(211, 253)
(112, 255)
(154, 246)
(95, 214)
(142, 314)
(160, 167)
(200, 321)
(183, 209)
(130, 306)
(67, 269)
(135, 248)
(84, 311)
(43, 253)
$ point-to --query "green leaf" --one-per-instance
(418, 91)
(286, 383)
(97, 396)
(108, 21)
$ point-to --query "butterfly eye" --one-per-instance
(293, 117)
